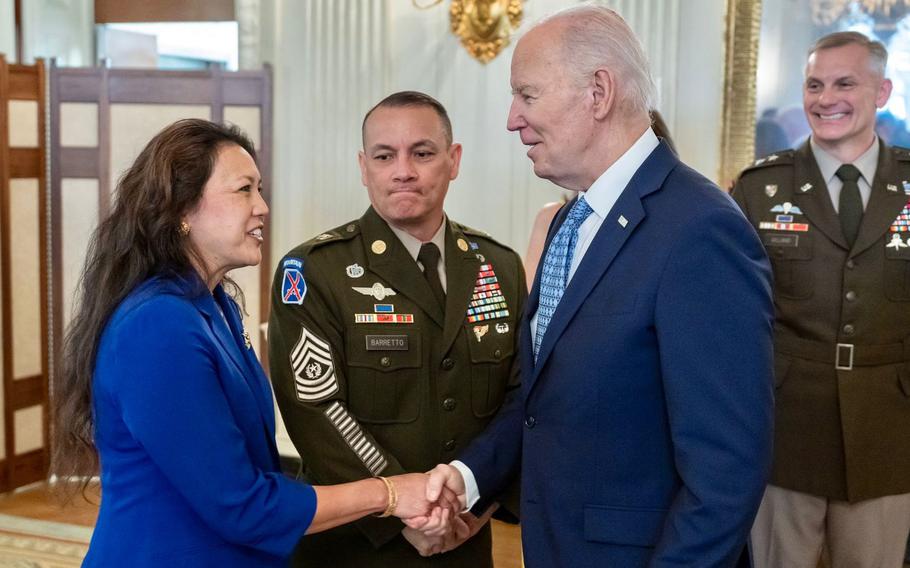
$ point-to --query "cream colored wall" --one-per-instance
(7, 30)
(334, 58)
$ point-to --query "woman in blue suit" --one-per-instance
(160, 382)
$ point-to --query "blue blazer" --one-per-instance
(643, 433)
(184, 425)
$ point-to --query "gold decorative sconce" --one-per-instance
(484, 26)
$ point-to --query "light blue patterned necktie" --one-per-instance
(555, 272)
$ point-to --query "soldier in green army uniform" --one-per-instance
(392, 338)
(834, 216)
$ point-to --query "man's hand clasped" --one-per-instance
(432, 506)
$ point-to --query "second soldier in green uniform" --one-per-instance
(392, 338)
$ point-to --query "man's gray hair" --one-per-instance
(878, 55)
(597, 37)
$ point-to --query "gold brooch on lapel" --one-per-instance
(246, 339)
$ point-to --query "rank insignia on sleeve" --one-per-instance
(487, 301)
(293, 286)
(314, 371)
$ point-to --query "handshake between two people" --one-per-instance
(432, 507)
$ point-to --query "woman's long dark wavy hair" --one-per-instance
(140, 238)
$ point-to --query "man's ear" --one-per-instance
(362, 160)
(604, 90)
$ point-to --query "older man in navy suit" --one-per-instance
(644, 423)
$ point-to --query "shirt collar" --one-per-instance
(412, 244)
(602, 195)
(828, 164)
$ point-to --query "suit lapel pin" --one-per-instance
(806, 187)
(771, 189)
(623, 221)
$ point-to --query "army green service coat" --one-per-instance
(373, 377)
(840, 433)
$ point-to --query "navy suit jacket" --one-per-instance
(185, 426)
(643, 433)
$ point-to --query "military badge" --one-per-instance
(805, 187)
(314, 371)
(901, 223)
(480, 331)
(502, 328)
(462, 245)
(384, 308)
(487, 301)
(324, 236)
(892, 187)
(473, 245)
(771, 158)
(383, 318)
(802, 227)
(377, 290)
(771, 189)
(896, 242)
(293, 286)
(354, 270)
(786, 208)
(906, 185)
(378, 246)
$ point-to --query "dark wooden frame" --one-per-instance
(23, 82)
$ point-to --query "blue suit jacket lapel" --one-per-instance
(607, 243)
(251, 373)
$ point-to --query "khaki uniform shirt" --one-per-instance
(374, 377)
(842, 330)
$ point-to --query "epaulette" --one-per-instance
(344, 232)
(901, 154)
(470, 231)
(784, 157)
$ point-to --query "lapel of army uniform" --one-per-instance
(387, 257)
(885, 202)
(810, 193)
(462, 267)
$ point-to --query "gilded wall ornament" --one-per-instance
(485, 26)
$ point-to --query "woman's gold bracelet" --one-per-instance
(393, 497)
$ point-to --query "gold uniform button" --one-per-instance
(463, 245)
(385, 361)
(378, 247)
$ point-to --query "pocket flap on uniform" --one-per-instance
(623, 525)
(903, 377)
(781, 366)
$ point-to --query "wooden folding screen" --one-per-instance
(23, 275)
(100, 120)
